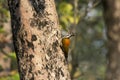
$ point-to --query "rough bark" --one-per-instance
(112, 20)
(36, 38)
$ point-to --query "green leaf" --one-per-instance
(65, 8)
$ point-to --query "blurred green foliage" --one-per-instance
(12, 56)
(13, 74)
(1, 30)
(4, 13)
(66, 14)
(12, 77)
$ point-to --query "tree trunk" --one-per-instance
(36, 37)
(112, 19)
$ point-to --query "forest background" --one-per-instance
(87, 58)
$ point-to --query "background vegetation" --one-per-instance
(87, 58)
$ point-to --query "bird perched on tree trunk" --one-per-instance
(65, 44)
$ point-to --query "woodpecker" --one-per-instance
(65, 45)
